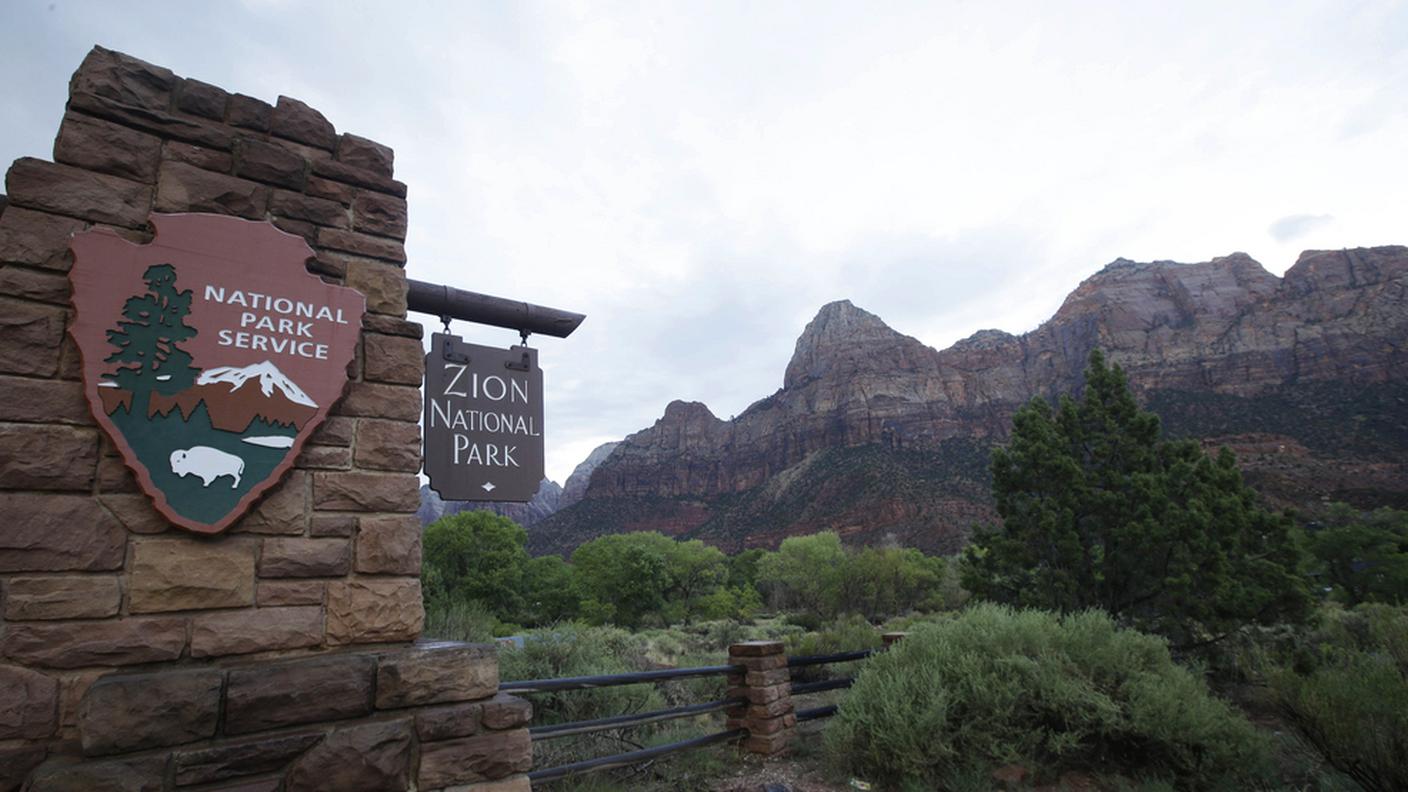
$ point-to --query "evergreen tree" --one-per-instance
(147, 339)
(1099, 512)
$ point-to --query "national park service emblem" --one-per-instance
(210, 356)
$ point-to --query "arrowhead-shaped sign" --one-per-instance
(210, 356)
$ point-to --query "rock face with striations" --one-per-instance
(880, 437)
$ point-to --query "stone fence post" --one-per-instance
(767, 685)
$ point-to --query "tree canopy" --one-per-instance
(1099, 512)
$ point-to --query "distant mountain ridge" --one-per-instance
(548, 499)
(878, 436)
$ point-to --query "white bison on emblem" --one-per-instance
(207, 464)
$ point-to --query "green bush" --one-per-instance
(993, 686)
(1350, 698)
(462, 620)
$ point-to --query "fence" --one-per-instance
(761, 712)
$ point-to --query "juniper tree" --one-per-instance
(1099, 512)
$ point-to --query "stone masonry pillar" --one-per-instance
(283, 653)
(767, 685)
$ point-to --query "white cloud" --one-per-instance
(700, 178)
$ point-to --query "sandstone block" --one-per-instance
(25, 400)
(484, 757)
(773, 709)
(374, 610)
(248, 757)
(202, 99)
(324, 458)
(335, 431)
(57, 533)
(454, 720)
(303, 558)
(76, 192)
(368, 492)
(114, 476)
(342, 172)
(184, 188)
(282, 511)
(755, 648)
(388, 445)
(72, 688)
(332, 525)
(389, 545)
(34, 284)
(383, 284)
(373, 757)
(359, 152)
(123, 78)
(256, 630)
(157, 122)
(390, 325)
(329, 189)
(266, 162)
(247, 112)
(29, 704)
(295, 120)
(460, 672)
(200, 156)
(763, 663)
(380, 214)
(360, 244)
(140, 774)
(768, 744)
(92, 143)
(379, 400)
(48, 457)
(36, 238)
(319, 211)
(131, 712)
(187, 573)
(779, 676)
(30, 336)
(136, 512)
(392, 358)
(79, 644)
(16, 762)
(62, 597)
(304, 691)
(271, 593)
(762, 695)
(507, 712)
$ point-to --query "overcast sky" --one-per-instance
(699, 178)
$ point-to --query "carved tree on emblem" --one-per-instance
(147, 338)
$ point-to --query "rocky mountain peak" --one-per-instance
(840, 336)
(687, 412)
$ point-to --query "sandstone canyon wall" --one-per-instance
(882, 438)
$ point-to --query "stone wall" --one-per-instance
(266, 651)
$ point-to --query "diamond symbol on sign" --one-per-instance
(488, 486)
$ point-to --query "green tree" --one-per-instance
(805, 573)
(1364, 556)
(550, 591)
(1098, 511)
(475, 556)
(624, 577)
(147, 339)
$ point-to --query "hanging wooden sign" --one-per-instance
(483, 421)
(210, 356)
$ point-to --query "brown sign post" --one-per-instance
(483, 421)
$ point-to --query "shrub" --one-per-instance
(573, 650)
(993, 686)
(1351, 700)
(461, 620)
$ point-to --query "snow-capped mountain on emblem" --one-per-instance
(268, 375)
